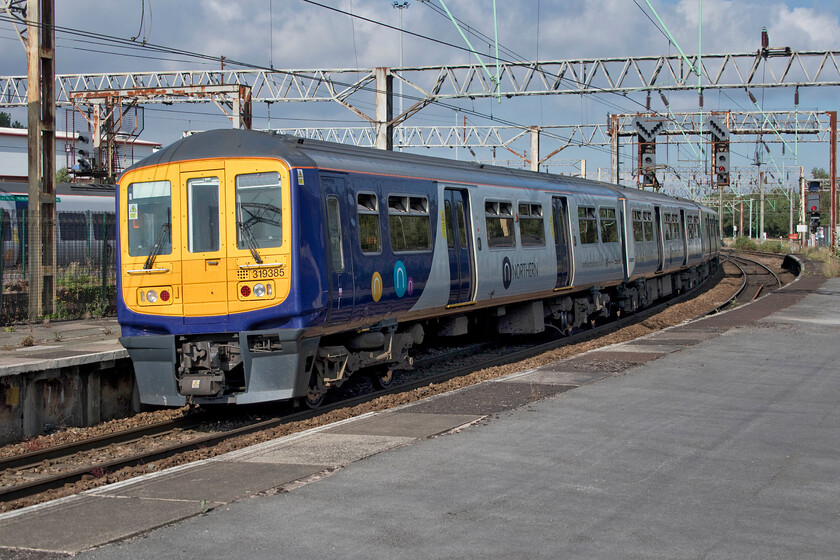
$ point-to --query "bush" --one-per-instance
(774, 246)
(78, 295)
(745, 244)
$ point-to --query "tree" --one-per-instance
(6, 121)
(62, 176)
(819, 173)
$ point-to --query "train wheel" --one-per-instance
(314, 399)
(382, 376)
(314, 395)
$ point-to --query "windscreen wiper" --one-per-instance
(249, 240)
(164, 230)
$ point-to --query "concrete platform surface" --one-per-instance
(716, 439)
(59, 344)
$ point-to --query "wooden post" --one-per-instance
(40, 50)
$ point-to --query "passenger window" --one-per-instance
(259, 211)
(149, 207)
(409, 223)
(609, 226)
(588, 224)
(499, 224)
(203, 215)
(334, 227)
(72, 226)
(531, 226)
(108, 230)
(369, 233)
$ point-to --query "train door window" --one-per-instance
(370, 238)
(531, 225)
(638, 227)
(499, 224)
(667, 227)
(7, 225)
(334, 226)
(647, 224)
(203, 215)
(609, 225)
(149, 218)
(72, 226)
(460, 212)
(447, 223)
(259, 211)
(588, 225)
(409, 223)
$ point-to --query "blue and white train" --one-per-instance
(258, 267)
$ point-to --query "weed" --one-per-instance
(10, 329)
(29, 340)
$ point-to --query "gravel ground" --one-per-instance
(672, 315)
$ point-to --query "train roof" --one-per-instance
(301, 152)
(91, 189)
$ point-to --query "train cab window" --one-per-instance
(609, 225)
(588, 225)
(259, 211)
(72, 226)
(367, 207)
(203, 215)
(499, 224)
(531, 225)
(149, 218)
(638, 227)
(334, 225)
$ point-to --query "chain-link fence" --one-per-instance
(83, 282)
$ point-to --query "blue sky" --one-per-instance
(301, 35)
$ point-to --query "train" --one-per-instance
(85, 223)
(257, 267)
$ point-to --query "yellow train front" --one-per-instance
(206, 250)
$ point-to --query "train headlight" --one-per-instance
(164, 295)
(259, 290)
(245, 291)
(151, 296)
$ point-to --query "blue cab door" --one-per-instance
(338, 253)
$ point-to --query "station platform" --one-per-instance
(62, 374)
(717, 438)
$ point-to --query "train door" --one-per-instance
(203, 254)
(560, 221)
(457, 223)
(339, 255)
(660, 242)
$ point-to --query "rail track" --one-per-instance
(758, 278)
(76, 461)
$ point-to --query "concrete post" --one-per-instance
(384, 109)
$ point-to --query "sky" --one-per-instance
(299, 34)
